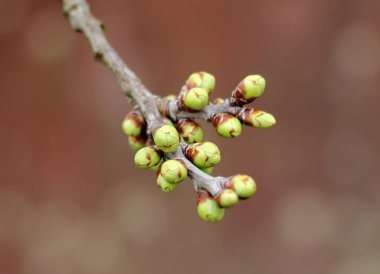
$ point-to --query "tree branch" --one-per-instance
(82, 20)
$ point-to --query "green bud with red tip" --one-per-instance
(133, 124)
(256, 118)
(194, 99)
(173, 171)
(136, 142)
(147, 157)
(203, 155)
(227, 125)
(243, 185)
(207, 208)
(201, 80)
(190, 131)
(227, 198)
(166, 138)
(249, 89)
(165, 185)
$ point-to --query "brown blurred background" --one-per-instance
(71, 199)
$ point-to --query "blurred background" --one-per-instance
(71, 199)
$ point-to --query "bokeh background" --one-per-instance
(71, 199)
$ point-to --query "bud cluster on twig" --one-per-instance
(178, 133)
(162, 131)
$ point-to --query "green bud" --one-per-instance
(174, 171)
(256, 118)
(133, 124)
(218, 101)
(204, 154)
(201, 80)
(164, 185)
(195, 99)
(190, 131)
(147, 157)
(249, 89)
(243, 185)
(136, 142)
(166, 138)
(171, 97)
(227, 125)
(227, 198)
(207, 170)
(208, 209)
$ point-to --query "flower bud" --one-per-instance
(249, 89)
(227, 125)
(218, 101)
(207, 170)
(208, 209)
(256, 118)
(227, 198)
(136, 142)
(174, 171)
(133, 124)
(201, 80)
(190, 131)
(147, 157)
(164, 185)
(194, 99)
(243, 185)
(204, 154)
(166, 138)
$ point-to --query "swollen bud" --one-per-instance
(133, 124)
(201, 80)
(243, 185)
(174, 171)
(165, 185)
(190, 131)
(227, 125)
(147, 157)
(203, 155)
(195, 99)
(227, 198)
(208, 209)
(136, 142)
(256, 118)
(249, 89)
(166, 138)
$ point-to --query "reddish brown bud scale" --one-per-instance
(244, 114)
(203, 195)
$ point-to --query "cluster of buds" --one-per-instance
(175, 146)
